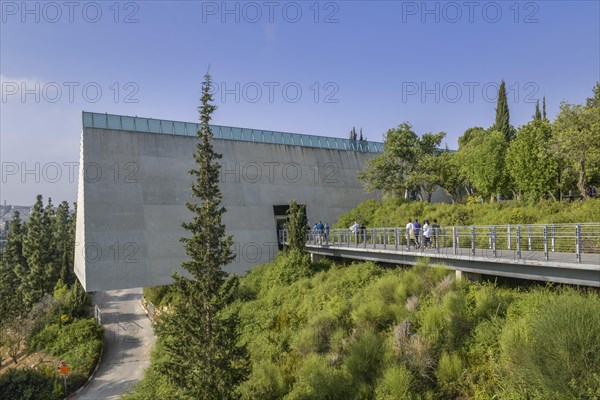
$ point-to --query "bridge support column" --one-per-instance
(469, 276)
(316, 257)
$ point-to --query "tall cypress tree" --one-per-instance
(36, 244)
(537, 116)
(63, 243)
(296, 227)
(544, 108)
(203, 359)
(502, 123)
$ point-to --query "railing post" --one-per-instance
(529, 234)
(384, 239)
(373, 238)
(454, 239)
(473, 241)
(364, 238)
(509, 238)
(546, 243)
(437, 239)
(553, 238)
(397, 235)
(578, 241)
(494, 252)
(519, 242)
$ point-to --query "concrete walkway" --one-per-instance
(128, 339)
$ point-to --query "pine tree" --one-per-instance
(35, 249)
(544, 108)
(353, 133)
(296, 227)
(502, 123)
(537, 116)
(362, 138)
(203, 359)
(12, 265)
(64, 243)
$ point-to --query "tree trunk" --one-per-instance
(581, 180)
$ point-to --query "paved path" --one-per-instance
(128, 339)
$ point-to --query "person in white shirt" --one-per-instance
(426, 234)
(355, 228)
(410, 233)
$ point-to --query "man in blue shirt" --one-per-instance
(417, 228)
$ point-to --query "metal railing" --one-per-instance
(534, 242)
(151, 125)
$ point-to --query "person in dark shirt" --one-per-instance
(417, 228)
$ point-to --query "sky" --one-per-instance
(309, 67)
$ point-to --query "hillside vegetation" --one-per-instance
(395, 212)
(328, 331)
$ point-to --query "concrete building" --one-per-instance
(134, 183)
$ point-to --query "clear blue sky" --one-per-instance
(375, 64)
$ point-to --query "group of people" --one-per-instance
(421, 236)
(321, 231)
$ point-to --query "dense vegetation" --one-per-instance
(395, 212)
(539, 160)
(327, 331)
(43, 308)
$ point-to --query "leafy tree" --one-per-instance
(425, 173)
(296, 226)
(468, 135)
(594, 102)
(389, 170)
(203, 358)
(577, 140)
(450, 174)
(502, 123)
(482, 160)
(529, 161)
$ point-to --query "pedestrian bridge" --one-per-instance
(561, 253)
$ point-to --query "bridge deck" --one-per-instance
(567, 253)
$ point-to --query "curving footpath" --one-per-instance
(128, 339)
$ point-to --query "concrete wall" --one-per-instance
(133, 187)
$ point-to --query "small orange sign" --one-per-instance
(63, 368)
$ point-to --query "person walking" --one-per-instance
(410, 233)
(320, 229)
(426, 234)
(435, 227)
(417, 229)
(326, 233)
(355, 228)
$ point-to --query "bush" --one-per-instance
(26, 384)
(396, 384)
(316, 380)
(555, 352)
(364, 357)
(449, 373)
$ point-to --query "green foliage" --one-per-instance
(396, 384)
(502, 123)
(553, 350)
(26, 384)
(530, 163)
(449, 374)
(297, 226)
(482, 161)
(203, 359)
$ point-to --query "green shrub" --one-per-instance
(364, 356)
(449, 373)
(397, 383)
(316, 380)
(555, 351)
(265, 382)
(26, 384)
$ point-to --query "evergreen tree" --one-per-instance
(353, 133)
(502, 123)
(537, 116)
(296, 226)
(12, 265)
(203, 359)
(362, 139)
(64, 243)
(35, 249)
(544, 108)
